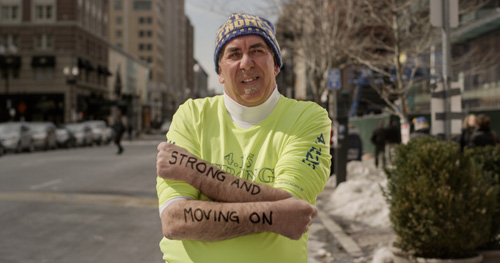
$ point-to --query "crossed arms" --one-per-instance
(239, 207)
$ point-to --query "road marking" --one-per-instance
(346, 241)
(101, 199)
(46, 184)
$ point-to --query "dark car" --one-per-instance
(16, 136)
(82, 133)
(44, 135)
(1, 148)
(65, 138)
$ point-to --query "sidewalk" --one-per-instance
(336, 240)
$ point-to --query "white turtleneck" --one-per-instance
(246, 117)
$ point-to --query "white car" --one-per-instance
(16, 136)
(165, 127)
(98, 131)
(82, 133)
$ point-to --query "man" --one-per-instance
(119, 129)
(420, 128)
(378, 139)
(239, 178)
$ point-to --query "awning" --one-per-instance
(10, 61)
(43, 61)
(85, 64)
(89, 65)
(81, 63)
(103, 70)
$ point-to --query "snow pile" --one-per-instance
(383, 255)
(360, 197)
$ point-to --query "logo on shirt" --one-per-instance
(312, 156)
(243, 167)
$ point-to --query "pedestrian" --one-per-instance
(467, 128)
(421, 128)
(393, 138)
(239, 176)
(482, 134)
(378, 138)
(119, 129)
(130, 130)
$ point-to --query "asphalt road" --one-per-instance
(80, 205)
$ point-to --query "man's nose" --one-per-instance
(246, 62)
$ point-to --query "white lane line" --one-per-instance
(46, 184)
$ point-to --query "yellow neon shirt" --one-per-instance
(288, 150)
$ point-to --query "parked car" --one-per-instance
(44, 135)
(16, 137)
(65, 138)
(1, 148)
(82, 133)
(109, 135)
(98, 131)
(165, 126)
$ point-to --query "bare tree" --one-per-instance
(316, 31)
(393, 39)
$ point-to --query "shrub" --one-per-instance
(440, 202)
(489, 158)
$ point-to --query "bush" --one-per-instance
(441, 204)
(489, 158)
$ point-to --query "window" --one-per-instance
(150, 59)
(9, 43)
(43, 42)
(142, 5)
(149, 33)
(44, 12)
(141, 20)
(119, 45)
(118, 20)
(118, 33)
(141, 46)
(149, 20)
(149, 47)
(118, 5)
(10, 13)
(141, 33)
(44, 73)
(48, 12)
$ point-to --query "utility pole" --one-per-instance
(444, 14)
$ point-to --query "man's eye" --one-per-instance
(232, 55)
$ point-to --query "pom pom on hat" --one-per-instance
(240, 24)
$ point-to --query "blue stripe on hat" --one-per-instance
(240, 24)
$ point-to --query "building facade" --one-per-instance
(38, 40)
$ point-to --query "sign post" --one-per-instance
(444, 14)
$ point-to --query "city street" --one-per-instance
(80, 205)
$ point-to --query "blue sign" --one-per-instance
(334, 79)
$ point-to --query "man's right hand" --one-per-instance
(293, 217)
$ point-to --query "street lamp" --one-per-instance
(71, 74)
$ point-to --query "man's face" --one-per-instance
(247, 70)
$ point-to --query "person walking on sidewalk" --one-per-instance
(482, 134)
(378, 138)
(119, 129)
(238, 177)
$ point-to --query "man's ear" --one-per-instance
(276, 70)
(221, 77)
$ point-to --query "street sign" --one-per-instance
(436, 13)
(334, 80)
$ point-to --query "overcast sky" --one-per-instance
(207, 16)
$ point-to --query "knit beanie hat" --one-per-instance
(240, 24)
(420, 123)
